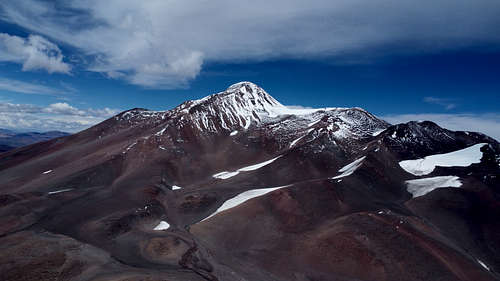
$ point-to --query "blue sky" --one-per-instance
(67, 65)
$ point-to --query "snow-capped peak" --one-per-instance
(245, 104)
(243, 96)
(251, 91)
(238, 106)
(248, 96)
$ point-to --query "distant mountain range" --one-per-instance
(10, 139)
(237, 186)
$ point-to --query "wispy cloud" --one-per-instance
(34, 53)
(19, 108)
(56, 116)
(444, 102)
(484, 123)
(164, 44)
(17, 86)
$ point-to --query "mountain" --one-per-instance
(236, 186)
(10, 139)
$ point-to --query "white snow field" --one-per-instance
(460, 158)
(348, 169)
(420, 187)
(483, 265)
(59, 191)
(376, 133)
(163, 225)
(243, 197)
(226, 175)
(296, 140)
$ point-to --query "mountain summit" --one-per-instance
(245, 104)
(237, 186)
(240, 105)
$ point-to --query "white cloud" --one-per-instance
(18, 108)
(161, 75)
(103, 112)
(63, 108)
(32, 88)
(484, 123)
(57, 116)
(164, 44)
(34, 53)
(444, 102)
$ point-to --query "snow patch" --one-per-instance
(258, 166)
(176, 187)
(420, 187)
(284, 110)
(295, 141)
(163, 225)
(461, 158)
(59, 191)
(313, 123)
(46, 172)
(129, 147)
(343, 131)
(376, 133)
(233, 133)
(226, 175)
(483, 264)
(242, 198)
(248, 122)
(298, 139)
(161, 132)
(347, 170)
(243, 89)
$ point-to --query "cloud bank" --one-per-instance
(164, 44)
(17, 86)
(446, 103)
(56, 116)
(484, 123)
(34, 53)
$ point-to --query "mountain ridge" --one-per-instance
(10, 139)
(200, 193)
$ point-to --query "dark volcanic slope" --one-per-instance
(236, 186)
